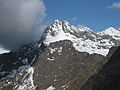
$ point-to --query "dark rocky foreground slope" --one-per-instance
(56, 66)
(64, 59)
(60, 69)
(108, 78)
(64, 65)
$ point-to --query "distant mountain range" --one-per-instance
(64, 59)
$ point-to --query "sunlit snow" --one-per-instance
(56, 33)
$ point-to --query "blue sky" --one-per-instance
(96, 14)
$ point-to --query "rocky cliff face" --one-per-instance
(61, 63)
(108, 78)
(76, 84)
(65, 58)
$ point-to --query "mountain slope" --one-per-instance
(61, 63)
(83, 39)
(112, 32)
(108, 78)
(76, 83)
(62, 55)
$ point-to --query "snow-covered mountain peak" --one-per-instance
(58, 26)
(83, 39)
(57, 21)
(109, 30)
(84, 28)
(2, 50)
(64, 26)
(61, 28)
(66, 22)
(112, 32)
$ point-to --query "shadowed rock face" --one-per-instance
(76, 84)
(108, 78)
(60, 64)
(24, 56)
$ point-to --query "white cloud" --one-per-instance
(115, 5)
(19, 21)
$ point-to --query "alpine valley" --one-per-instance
(65, 58)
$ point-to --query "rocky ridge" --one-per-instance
(64, 53)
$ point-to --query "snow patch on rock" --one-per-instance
(2, 50)
(50, 88)
(60, 31)
(114, 33)
(27, 80)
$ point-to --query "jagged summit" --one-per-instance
(63, 54)
(114, 33)
(61, 25)
(66, 27)
(83, 38)
(84, 28)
